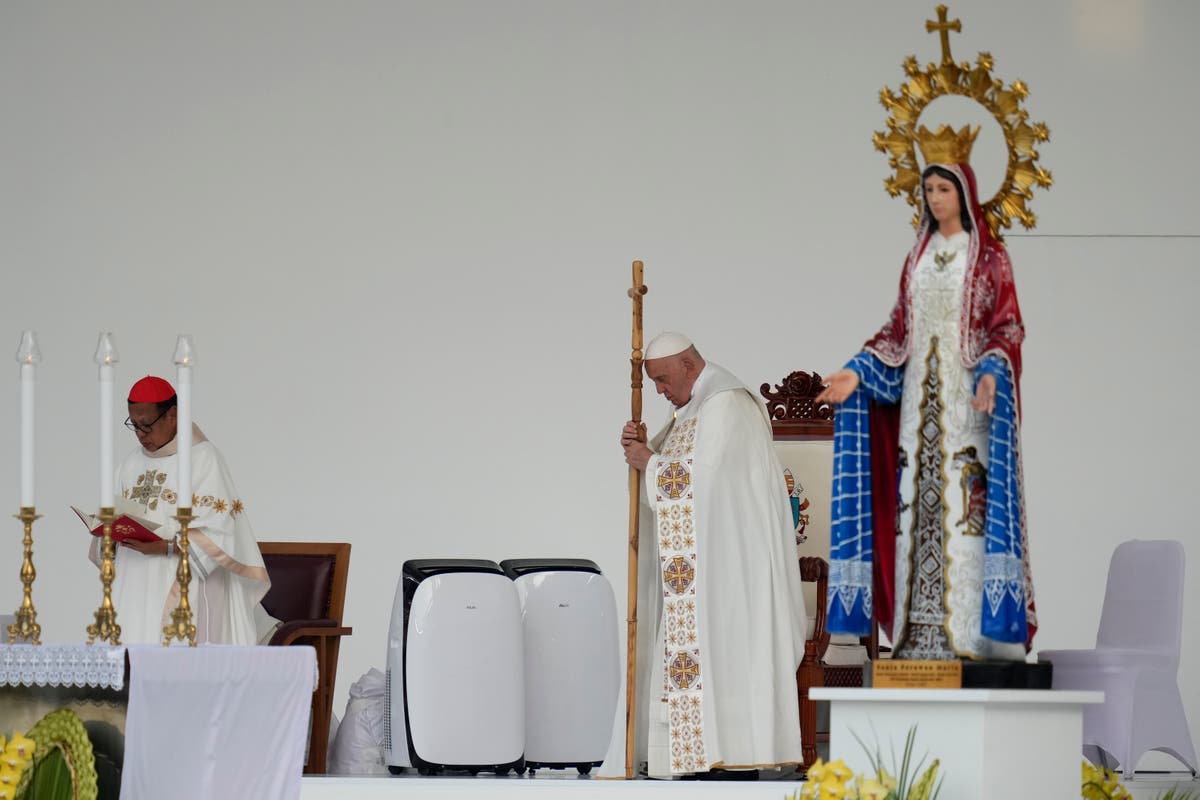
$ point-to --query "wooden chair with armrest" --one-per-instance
(308, 594)
(797, 418)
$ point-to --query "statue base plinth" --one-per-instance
(1005, 675)
(898, 674)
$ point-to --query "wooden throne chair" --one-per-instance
(307, 594)
(803, 433)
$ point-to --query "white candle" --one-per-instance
(184, 358)
(106, 357)
(27, 356)
(27, 384)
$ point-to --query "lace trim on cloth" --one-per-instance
(101, 666)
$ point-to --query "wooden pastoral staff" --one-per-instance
(635, 414)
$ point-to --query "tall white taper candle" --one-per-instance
(27, 394)
(106, 357)
(27, 356)
(184, 358)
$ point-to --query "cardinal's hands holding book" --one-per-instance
(162, 547)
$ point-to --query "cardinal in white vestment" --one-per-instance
(228, 576)
(721, 614)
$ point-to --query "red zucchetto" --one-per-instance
(151, 390)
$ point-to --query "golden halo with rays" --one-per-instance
(1021, 136)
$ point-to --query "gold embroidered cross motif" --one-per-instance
(148, 488)
(684, 671)
(674, 480)
(679, 574)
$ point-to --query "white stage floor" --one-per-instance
(565, 786)
(548, 785)
(1148, 786)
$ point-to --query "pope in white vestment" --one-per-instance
(228, 576)
(721, 615)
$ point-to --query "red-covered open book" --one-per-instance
(124, 526)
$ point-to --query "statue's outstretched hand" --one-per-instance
(985, 395)
(838, 387)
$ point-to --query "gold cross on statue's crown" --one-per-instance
(946, 145)
(943, 26)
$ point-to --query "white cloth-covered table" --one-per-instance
(217, 721)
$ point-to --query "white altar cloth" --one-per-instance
(991, 742)
(216, 721)
(96, 666)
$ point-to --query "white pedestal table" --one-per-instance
(992, 743)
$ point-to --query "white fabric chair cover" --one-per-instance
(1135, 661)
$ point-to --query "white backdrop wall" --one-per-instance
(400, 234)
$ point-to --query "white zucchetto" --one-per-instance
(668, 343)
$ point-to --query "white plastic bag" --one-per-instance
(358, 746)
(334, 722)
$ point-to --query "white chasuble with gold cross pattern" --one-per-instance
(721, 616)
(228, 576)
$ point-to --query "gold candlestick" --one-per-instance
(105, 627)
(181, 626)
(26, 628)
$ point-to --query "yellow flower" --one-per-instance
(833, 789)
(840, 770)
(1115, 790)
(887, 780)
(23, 746)
(871, 789)
(829, 781)
(15, 755)
(1098, 782)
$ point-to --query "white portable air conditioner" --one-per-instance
(455, 670)
(572, 667)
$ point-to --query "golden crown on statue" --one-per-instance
(946, 145)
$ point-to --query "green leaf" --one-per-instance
(902, 788)
(51, 779)
(61, 733)
(1176, 794)
(923, 788)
